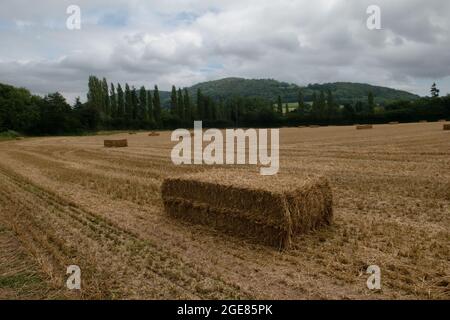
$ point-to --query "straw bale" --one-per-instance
(267, 209)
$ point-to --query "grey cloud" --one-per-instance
(149, 42)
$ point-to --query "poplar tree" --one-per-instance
(180, 103)
(94, 96)
(280, 105)
(331, 105)
(206, 108)
(134, 104)
(120, 102)
(157, 106)
(143, 104)
(128, 103)
(113, 101)
(174, 101)
(105, 96)
(322, 103)
(315, 105)
(213, 109)
(150, 106)
(371, 102)
(188, 110)
(200, 105)
(301, 103)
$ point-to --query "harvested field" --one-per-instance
(268, 210)
(20, 276)
(116, 143)
(69, 200)
(364, 126)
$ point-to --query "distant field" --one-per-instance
(69, 200)
(292, 106)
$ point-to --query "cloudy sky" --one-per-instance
(188, 41)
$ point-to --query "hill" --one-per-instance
(270, 89)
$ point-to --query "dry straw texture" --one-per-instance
(446, 126)
(267, 209)
(364, 126)
(116, 143)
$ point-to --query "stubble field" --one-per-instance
(69, 200)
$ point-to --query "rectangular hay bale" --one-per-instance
(364, 126)
(115, 143)
(267, 209)
(153, 134)
(446, 127)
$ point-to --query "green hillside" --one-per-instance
(270, 89)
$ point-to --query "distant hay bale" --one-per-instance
(446, 126)
(131, 132)
(116, 143)
(314, 126)
(364, 126)
(423, 121)
(153, 134)
(267, 209)
(394, 122)
(442, 120)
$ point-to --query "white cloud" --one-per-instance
(183, 42)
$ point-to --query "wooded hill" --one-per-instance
(343, 92)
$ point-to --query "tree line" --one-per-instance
(124, 107)
(127, 107)
(325, 110)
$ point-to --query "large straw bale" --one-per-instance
(267, 209)
(446, 126)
